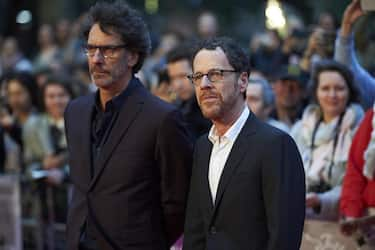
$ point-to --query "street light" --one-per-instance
(275, 18)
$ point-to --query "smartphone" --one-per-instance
(368, 5)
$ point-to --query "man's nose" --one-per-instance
(98, 56)
(205, 82)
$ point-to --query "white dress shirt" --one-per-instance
(221, 149)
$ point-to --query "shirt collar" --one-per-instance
(116, 102)
(233, 131)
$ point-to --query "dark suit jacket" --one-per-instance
(260, 201)
(196, 123)
(137, 197)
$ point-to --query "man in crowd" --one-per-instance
(179, 67)
(289, 95)
(130, 154)
(247, 189)
(261, 100)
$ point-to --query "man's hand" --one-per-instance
(351, 14)
(51, 162)
(347, 226)
(312, 200)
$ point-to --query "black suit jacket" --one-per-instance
(137, 197)
(260, 201)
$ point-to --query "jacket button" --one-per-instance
(213, 230)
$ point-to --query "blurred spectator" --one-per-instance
(324, 135)
(320, 46)
(267, 52)
(56, 95)
(50, 170)
(178, 68)
(345, 53)
(207, 25)
(41, 76)
(327, 21)
(11, 58)
(163, 90)
(63, 38)
(70, 43)
(261, 100)
(289, 89)
(22, 123)
(48, 55)
(358, 189)
(157, 60)
(10, 156)
(63, 28)
(2, 151)
(294, 46)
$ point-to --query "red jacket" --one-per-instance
(358, 192)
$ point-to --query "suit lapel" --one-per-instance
(85, 115)
(238, 151)
(205, 152)
(128, 113)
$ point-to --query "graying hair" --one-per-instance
(267, 92)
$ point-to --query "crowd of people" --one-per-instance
(309, 85)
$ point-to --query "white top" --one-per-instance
(221, 149)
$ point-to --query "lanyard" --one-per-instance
(334, 146)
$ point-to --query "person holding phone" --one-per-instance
(345, 53)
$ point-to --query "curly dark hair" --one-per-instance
(344, 71)
(119, 18)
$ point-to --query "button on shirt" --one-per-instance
(221, 149)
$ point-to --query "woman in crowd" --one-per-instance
(22, 122)
(52, 186)
(56, 95)
(324, 136)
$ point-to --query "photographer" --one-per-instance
(320, 46)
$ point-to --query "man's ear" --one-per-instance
(243, 81)
(133, 58)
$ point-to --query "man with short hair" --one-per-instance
(247, 188)
(178, 68)
(289, 95)
(261, 100)
(130, 153)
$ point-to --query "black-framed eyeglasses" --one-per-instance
(213, 75)
(107, 51)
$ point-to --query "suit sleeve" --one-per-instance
(174, 155)
(194, 233)
(283, 182)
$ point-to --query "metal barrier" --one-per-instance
(10, 214)
(323, 235)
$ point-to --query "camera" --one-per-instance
(320, 187)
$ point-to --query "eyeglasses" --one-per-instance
(107, 51)
(213, 75)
